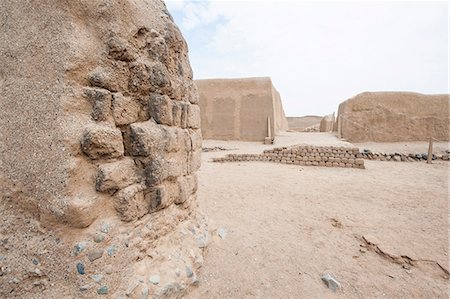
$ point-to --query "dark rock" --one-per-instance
(80, 268)
(102, 290)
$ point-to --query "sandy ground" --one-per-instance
(382, 231)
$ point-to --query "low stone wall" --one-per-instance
(403, 157)
(328, 156)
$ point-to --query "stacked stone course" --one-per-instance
(327, 156)
(403, 157)
(145, 137)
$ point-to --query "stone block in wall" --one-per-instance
(195, 161)
(125, 109)
(193, 116)
(146, 139)
(177, 109)
(160, 169)
(102, 141)
(161, 109)
(156, 197)
(101, 100)
(130, 202)
(188, 186)
(109, 78)
(184, 115)
(196, 139)
(117, 175)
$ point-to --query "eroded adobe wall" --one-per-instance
(394, 116)
(327, 123)
(101, 142)
(237, 109)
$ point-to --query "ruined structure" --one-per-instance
(394, 116)
(327, 123)
(238, 109)
(100, 144)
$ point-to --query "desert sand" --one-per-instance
(381, 232)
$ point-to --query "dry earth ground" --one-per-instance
(289, 224)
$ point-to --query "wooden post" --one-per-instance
(430, 151)
(339, 126)
(269, 129)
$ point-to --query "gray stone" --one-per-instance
(144, 293)
(34, 261)
(95, 254)
(102, 141)
(117, 175)
(111, 250)
(97, 277)
(331, 282)
(105, 227)
(397, 158)
(222, 232)
(98, 238)
(154, 279)
(189, 272)
(79, 247)
(80, 268)
(103, 290)
(85, 287)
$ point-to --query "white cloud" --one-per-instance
(321, 53)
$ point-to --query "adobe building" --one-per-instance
(394, 116)
(248, 109)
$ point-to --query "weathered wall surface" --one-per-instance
(237, 109)
(301, 123)
(394, 116)
(100, 127)
(327, 123)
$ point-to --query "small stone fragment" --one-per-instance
(154, 279)
(102, 290)
(95, 254)
(331, 282)
(98, 238)
(80, 268)
(144, 293)
(78, 248)
(189, 272)
(222, 232)
(97, 277)
(111, 250)
(34, 261)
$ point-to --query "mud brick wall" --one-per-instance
(305, 156)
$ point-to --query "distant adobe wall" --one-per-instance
(237, 109)
(394, 116)
(301, 123)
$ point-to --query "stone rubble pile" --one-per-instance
(403, 157)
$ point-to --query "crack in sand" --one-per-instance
(401, 259)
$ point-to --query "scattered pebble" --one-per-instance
(105, 227)
(222, 232)
(331, 282)
(131, 288)
(144, 293)
(14, 280)
(85, 287)
(111, 250)
(202, 241)
(391, 276)
(154, 279)
(98, 238)
(109, 269)
(97, 277)
(34, 261)
(189, 272)
(177, 272)
(79, 247)
(2, 258)
(80, 268)
(95, 254)
(102, 290)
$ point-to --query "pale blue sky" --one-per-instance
(319, 53)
